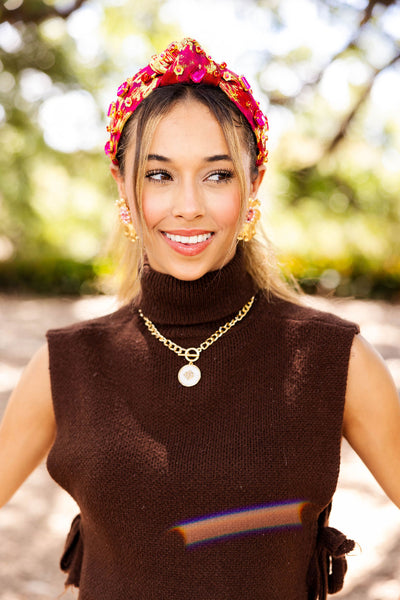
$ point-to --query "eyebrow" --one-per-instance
(209, 159)
(218, 157)
(158, 157)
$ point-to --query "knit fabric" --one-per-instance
(143, 456)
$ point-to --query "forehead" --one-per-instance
(188, 129)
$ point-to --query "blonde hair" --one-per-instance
(260, 257)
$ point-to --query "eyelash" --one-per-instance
(226, 173)
(150, 174)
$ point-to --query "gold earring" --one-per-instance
(249, 227)
(126, 219)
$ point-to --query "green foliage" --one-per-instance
(355, 276)
(338, 229)
(49, 275)
(56, 207)
(333, 181)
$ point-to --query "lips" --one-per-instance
(188, 243)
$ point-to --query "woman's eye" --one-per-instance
(219, 176)
(158, 176)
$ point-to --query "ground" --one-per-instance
(33, 525)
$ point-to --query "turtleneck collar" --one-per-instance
(218, 294)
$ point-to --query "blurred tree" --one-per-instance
(334, 173)
(36, 65)
(339, 163)
(36, 11)
(54, 184)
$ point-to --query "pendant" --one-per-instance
(189, 375)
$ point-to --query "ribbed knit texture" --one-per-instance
(140, 453)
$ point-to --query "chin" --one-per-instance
(186, 271)
(190, 273)
(190, 269)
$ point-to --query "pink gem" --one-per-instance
(198, 75)
(125, 216)
(123, 88)
(260, 118)
(245, 83)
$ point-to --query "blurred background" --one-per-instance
(326, 72)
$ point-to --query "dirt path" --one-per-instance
(34, 523)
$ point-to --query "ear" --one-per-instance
(255, 184)
(116, 173)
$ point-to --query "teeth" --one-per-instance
(186, 239)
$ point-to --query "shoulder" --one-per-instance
(304, 315)
(38, 367)
(368, 374)
(33, 391)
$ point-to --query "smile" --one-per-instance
(188, 245)
(192, 239)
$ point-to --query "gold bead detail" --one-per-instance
(253, 215)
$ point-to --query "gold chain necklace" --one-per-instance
(190, 374)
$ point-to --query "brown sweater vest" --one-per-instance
(152, 464)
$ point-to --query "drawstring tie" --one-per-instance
(71, 560)
(334, 547)
(328, 565)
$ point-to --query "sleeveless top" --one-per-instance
(219, 491)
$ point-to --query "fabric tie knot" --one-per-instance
(335, 546)
(71, 560)
(328, 565)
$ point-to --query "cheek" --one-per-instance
(228, 213)
(153, 209)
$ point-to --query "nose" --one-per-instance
(187, 201)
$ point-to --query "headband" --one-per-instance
(185, 62)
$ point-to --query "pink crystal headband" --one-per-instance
(185, 62)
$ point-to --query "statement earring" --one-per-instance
(249, 227)
(126, 219)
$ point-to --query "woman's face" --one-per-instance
(191, 196)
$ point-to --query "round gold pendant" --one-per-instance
(189, 375)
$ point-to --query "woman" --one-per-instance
(199, 426)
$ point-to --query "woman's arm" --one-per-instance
(372, 416)
(28, 428)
